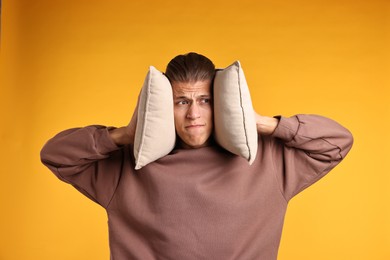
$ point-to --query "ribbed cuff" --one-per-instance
(287, 128)
(103, 141)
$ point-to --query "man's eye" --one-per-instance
(182, 102)
(205, 100)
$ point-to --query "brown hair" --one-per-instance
(190, 67)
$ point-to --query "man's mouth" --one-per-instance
(194, 126)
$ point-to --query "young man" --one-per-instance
(199, 201)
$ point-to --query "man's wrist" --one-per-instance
(120, 136)
(266, 125)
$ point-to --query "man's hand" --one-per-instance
(125, 135)
(266, 125)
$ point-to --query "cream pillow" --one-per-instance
(234, 119)
(155, 134)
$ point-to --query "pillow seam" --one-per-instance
(243, 114)
(140, 152)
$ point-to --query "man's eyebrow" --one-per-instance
(185, 97)
(180, 97)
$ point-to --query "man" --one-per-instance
(199, 201)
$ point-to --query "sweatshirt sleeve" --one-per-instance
(307, 147)
(88, 159)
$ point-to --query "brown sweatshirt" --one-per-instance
(201, 203)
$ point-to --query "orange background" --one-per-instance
(79, 62)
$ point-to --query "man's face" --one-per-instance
(193, 112)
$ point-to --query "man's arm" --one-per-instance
(90, 158)
(305, 148)
(266, 125)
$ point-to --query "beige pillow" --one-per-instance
(234, 119)
(155, 132)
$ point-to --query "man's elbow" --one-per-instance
(347, 143)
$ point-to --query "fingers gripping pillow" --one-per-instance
(155, 132)
(234, 119)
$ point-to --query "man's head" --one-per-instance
(191, 76)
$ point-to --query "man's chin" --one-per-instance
(194, 145)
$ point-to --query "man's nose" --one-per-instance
(193, 111)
